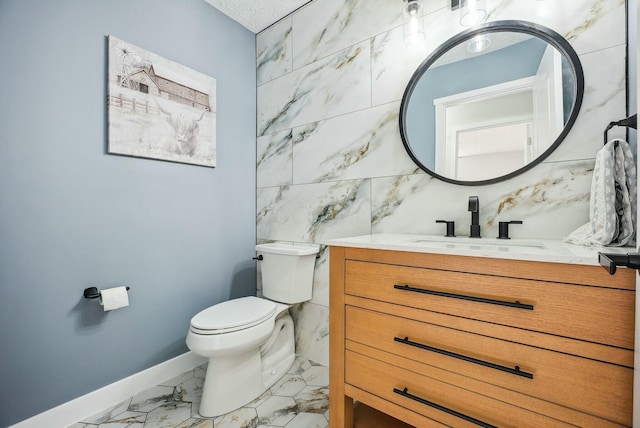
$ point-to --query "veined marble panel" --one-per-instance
(244, 417)
(328, 26)
(168, 415)
(393, 63)
(335, 85)
(412, 204)
(277, 411)
(191, 390)
(274, 159)
(433, 5)
(604, 101)
(152, 399)
(274, 52)
(289, 384)
(312, 331)
(402, 203)
(314, 212)
(196, 423)
(316, 376)
(356, 145)
(308, 420)
(313, 399)
(332, 82)
(321, 278)
(589, 25)
(126, 420)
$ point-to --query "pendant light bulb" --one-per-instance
(413, 21)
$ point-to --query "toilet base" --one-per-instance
(230, 382)
(235, 380)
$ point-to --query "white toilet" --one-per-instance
(250, 341)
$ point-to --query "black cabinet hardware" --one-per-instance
(515, 304)
(514, 371)
(467, 418)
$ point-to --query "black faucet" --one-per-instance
(474, 207)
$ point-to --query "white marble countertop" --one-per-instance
(542, 250)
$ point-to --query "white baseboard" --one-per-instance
(101, 399)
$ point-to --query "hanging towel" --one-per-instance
(612, 207)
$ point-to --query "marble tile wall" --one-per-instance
(330, 161)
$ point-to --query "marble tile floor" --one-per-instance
(300, 399)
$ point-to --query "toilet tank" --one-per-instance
(287, 271)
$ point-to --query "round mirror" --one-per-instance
(491, 102)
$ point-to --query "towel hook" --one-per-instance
(630, 122)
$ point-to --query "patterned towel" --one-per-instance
(612, 208)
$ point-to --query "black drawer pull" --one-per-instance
(404, 393)
(515, 371)
(515, 304)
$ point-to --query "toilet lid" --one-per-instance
(232, 315)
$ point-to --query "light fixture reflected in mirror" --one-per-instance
(413, 21)
(479, 43)
(472, 12)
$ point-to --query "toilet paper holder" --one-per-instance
(93, 292)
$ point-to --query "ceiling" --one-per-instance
(256, 15)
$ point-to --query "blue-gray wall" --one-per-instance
(71, 216)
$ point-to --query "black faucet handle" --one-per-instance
(474, 204)
(451, 228)
(503, 228)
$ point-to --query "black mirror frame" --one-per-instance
(544, 33)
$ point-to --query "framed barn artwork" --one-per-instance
(158, 109)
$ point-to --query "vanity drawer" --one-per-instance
(436, 400)
(595, 314)
(589, 386)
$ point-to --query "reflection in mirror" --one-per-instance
(491, 102)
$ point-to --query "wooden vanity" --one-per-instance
(447, 340)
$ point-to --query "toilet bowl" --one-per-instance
(249, 341)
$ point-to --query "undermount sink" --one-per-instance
(479, 243)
